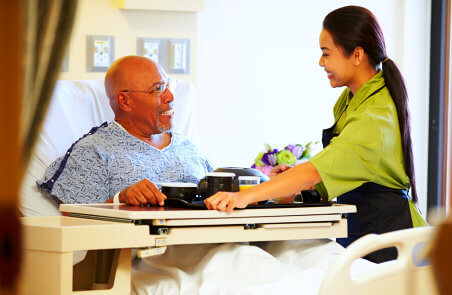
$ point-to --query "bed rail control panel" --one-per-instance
(160, 248)
(142, 253)
(160, 242)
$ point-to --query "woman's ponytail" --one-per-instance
(396, 86)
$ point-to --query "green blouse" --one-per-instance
(368, 148)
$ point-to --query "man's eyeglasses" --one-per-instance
(157, 91)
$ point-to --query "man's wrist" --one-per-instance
(116, 198)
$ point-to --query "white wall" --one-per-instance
(259, 80)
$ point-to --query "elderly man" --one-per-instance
(126, 159)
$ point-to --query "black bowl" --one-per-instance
(178, 190)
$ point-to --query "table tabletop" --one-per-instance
(157, 212)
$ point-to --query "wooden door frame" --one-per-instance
(11, 86)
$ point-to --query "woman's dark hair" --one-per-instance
(354, 26)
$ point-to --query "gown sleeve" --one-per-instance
(84, 178)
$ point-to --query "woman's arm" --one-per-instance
(300, 177)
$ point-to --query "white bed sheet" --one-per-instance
(282, 267)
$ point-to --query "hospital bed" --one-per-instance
(110, 232)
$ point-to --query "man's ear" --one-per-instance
(358, 55)
(123, 101)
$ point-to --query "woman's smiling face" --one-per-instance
(339, 67)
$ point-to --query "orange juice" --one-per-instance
(243, 187)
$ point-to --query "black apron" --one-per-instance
(380, 209)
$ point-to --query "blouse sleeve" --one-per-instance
(352, 158)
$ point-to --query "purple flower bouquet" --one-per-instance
(291, 154)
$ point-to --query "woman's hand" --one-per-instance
(226, 201)
(279, 169)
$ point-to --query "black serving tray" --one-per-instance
(199, 205)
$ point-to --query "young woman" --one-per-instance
(367, 158)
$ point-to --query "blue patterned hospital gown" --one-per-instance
(110, 159)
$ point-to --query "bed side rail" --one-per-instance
(410, 273)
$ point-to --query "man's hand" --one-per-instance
(225, 201)
(142, 192)
(279, 169)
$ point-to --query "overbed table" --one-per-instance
(49, 242)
